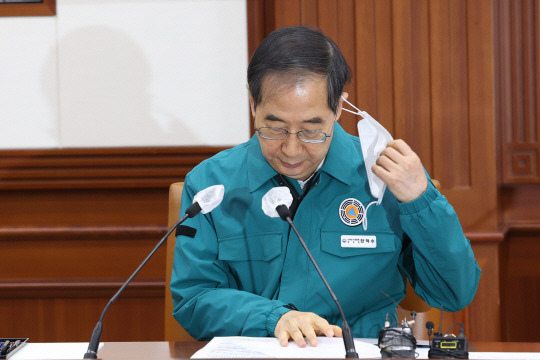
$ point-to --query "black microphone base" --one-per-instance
(348, 340)
(91, 352)
(90, 355)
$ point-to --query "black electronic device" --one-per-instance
(9, 346)
(204, 201)
(447, 346)
(397, 341)
(275, 205)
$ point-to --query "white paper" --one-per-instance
(254, 347)
(46, 351)
(329, 348)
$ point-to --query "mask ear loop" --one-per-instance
(358, 112)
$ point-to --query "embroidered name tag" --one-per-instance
(358, 241)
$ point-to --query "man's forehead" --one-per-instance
(277, 83)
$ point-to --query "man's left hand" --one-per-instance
(401, 170)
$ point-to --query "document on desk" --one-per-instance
(44, 351)
(242, 347)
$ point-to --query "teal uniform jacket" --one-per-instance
(234, 276)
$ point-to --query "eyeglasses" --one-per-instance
(307, 136)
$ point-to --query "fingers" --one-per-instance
(401, 170)
(400, 146)
(298, 337)
(324, 327)
(337, 331)
(303, 328)
(309, 332)
(283, 337)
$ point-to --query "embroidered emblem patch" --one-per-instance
(352, 212)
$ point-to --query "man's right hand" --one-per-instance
(296, 325)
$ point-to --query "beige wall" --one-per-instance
(125, 73)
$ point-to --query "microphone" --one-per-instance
(429, 327)
(276, 203)
(204, 201)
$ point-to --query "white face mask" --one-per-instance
(373, 139)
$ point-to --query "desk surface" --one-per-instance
(184, 350)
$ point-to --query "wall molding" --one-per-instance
(40, 289)
(44, 8)
(485, 236)
(82, 233)
(93, 168)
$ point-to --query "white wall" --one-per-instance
(108, 73)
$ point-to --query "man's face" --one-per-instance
(300, 105)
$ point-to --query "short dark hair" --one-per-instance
(299, 50)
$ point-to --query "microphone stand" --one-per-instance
(348, 340)
(91, 353)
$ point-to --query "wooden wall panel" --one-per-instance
(519, 94)
(425, 70)
(72, 318)
(74, 225)
(410, 56)
(483, 315)
(450, 93)
(520, 279)
(517, 57)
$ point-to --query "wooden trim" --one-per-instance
(45, 8)
(260, 23)
(92, 168)
(485, 236)
(523, 227)
(79, 289)
(260, 16)
(82, 233)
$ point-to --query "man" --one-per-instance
(240, 272)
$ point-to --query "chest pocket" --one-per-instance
(331, 243)
(251, 247)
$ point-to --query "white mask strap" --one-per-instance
(357, 112)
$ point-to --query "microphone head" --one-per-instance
(209, 198)
(274, 197)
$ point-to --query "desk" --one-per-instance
(183, 350)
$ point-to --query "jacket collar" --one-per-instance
(259, 170)
(339, 162)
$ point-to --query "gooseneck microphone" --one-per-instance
(204, 201)
(275, 203)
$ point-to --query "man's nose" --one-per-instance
(291, 146)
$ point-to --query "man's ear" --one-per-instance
(251, 106)
(343, 97)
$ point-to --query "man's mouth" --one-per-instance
(291, 166)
